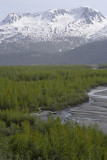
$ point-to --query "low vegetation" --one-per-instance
(102, 66)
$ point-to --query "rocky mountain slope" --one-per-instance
(91, 53)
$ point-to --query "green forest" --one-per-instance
(26, 89)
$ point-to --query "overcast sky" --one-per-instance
(11, 6)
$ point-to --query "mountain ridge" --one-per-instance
(62, 29)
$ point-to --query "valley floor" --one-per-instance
(95, 111)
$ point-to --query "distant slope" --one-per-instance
(93, 53)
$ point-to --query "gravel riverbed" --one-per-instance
(95, 111)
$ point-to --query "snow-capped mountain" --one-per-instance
(53, 30)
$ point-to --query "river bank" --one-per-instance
(95, 111)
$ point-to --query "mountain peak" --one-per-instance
(53, 13)
(13, 17)
(90, 15)
(88, 9)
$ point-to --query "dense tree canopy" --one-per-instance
(25, 89)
